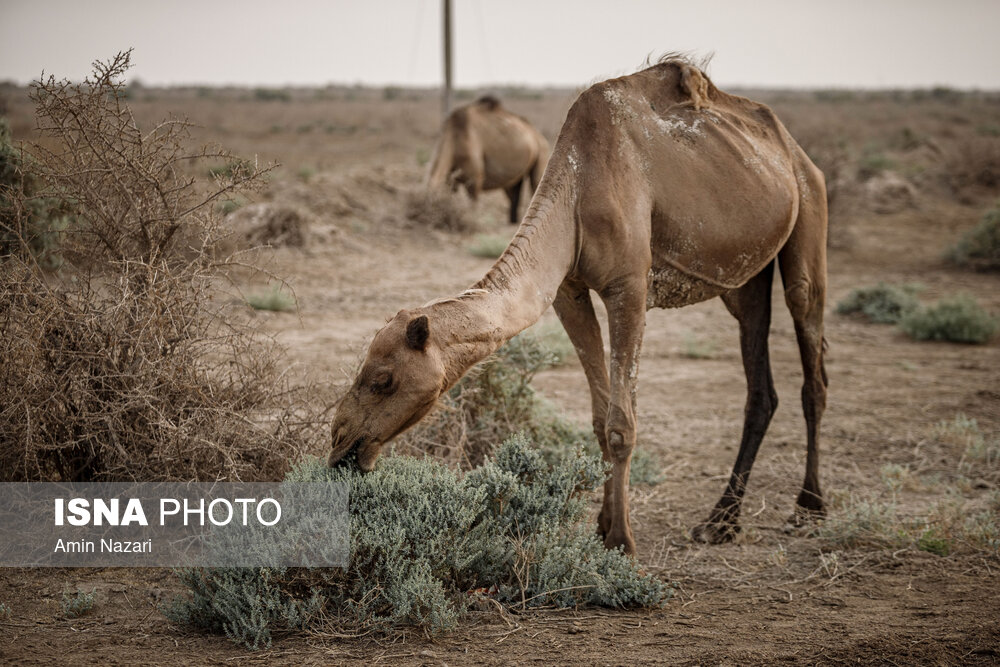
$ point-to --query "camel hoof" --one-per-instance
(715, 532)
(613, 541)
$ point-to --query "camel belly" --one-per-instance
(503, 173)
(670, 287)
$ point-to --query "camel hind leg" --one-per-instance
(514, 195)
(751, 306)
(575, 309)
(803, 272)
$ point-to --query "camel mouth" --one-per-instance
(367, 454)
(342, 455)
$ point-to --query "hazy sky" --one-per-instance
(784, 43)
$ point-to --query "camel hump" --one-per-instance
(489, 102)
(695, 84)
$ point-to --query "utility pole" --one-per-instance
(446, 97)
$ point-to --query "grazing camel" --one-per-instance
(485, 147)
(662, 191)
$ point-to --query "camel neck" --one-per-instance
(519, 287)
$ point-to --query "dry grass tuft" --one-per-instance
(439, 210)
(273, 225)
(972, 163)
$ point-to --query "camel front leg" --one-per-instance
(575, 309)
(626, 304)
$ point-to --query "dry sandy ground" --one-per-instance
(768, 598)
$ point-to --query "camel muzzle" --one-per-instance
(342, 447)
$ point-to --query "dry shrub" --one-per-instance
(274, 225)
(438, 210)
(972, 163)
(123, 366)
(888, 192)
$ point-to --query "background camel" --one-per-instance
(662, 191)
(484, 147)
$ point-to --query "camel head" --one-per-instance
(399, 382)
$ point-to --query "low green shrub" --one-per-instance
(862, 522)
(275, 300)
(948, 525)
(489, 246)
(932, 541)
(979, 451)
(979, 247)
(77, 604)
(957, 319)
(883, 304)
(425, 543)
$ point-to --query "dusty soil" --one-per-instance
(769, 597)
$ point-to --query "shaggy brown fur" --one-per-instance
(662, 191)
(485, 147)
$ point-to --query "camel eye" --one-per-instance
(382, 384)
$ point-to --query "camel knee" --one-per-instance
(800, 298)
(621, 442)
(620, 434)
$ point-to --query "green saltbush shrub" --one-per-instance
(78, 604)
(957, 319)
(275, 299)
(422, 539)
(883, 304)
(489, 246)
(979, 247)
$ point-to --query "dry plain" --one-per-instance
(349, 156)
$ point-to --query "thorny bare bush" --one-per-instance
(124, 365)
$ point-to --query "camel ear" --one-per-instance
(417, 332)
